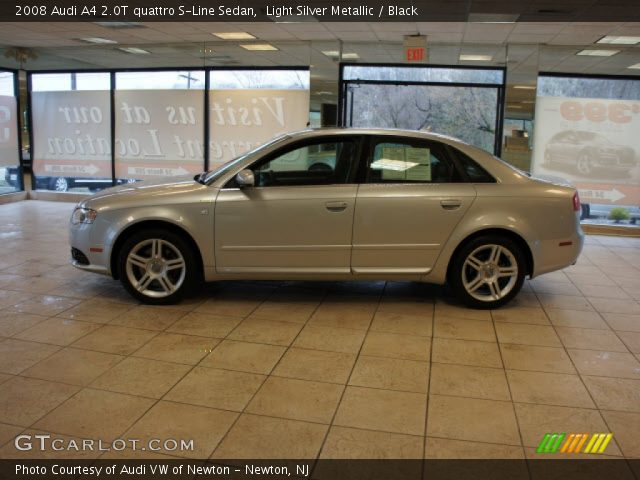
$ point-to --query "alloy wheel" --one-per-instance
(155, 268)
(489, 272)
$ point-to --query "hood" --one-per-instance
(145, 192)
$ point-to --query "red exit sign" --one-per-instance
(414, 54)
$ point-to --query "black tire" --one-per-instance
(460, 270)
(170, 244)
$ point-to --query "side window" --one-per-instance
(322, 163)
(410, 163)
(475, 172)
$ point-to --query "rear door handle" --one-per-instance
(336, 206)
(450, 203)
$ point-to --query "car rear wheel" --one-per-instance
(157, 267)
(488, 272)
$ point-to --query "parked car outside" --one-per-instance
(64, 184)
(389, 204)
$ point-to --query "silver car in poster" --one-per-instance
(335, 204)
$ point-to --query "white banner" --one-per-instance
(8, 132)
(159, 133)
(240, 120)
(71, 134)
(593, 143)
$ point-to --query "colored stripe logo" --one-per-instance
(595, 443)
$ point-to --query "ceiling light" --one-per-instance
(525, 87)
(135, 50)
(513, 106)
(323, 92)
(476, 58)
(597, 53)
(345, 56)
(258, 47)
(234, 35)
(98, 40)
(635, 66)
(619, 40)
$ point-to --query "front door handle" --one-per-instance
(450, 203)
(336, 206)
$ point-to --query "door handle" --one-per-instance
(336, 206)
(450, 203)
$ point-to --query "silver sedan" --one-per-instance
(335, 204)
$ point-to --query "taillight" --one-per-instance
(576, 202)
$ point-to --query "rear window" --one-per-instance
(475, 172)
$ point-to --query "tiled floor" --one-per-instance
(335, 370)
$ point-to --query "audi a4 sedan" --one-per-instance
(335, 204)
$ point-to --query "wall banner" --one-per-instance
(240, 120)
(71, 134)
(592, 143)
(159, 133)
(8, 132)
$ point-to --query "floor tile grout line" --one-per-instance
(593, 400)
(266, 377)
(512, 402)
(346, 385)
(426, 414)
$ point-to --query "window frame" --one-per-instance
(306, 142)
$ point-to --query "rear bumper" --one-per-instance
(557, 254)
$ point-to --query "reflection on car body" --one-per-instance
(386, 204)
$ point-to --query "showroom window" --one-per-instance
(586, 133)
(321, 163)
(250, 107)
(10, 172)
(462, 102)
(159, 124)
(71, 131)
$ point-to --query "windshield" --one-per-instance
(225, 167)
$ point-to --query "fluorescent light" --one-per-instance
(619, 40)
(525, 87)
(635, 66)
(597, 53)
(258, 47)
(476, 58)
(345, 56)
(514, 106)
(135, 50)
(98, 40)
(234, 35)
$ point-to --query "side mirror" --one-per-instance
(245, 178)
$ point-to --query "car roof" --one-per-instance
(378, 131)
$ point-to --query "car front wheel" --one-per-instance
(157, 267)
(488, 272)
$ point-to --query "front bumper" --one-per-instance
(87, 250)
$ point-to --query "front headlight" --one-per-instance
(83, 215)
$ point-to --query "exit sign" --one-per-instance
(414, 54)
(415, 48)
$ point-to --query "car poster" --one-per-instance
(591, 143)
(8, 132)
(240, 120)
